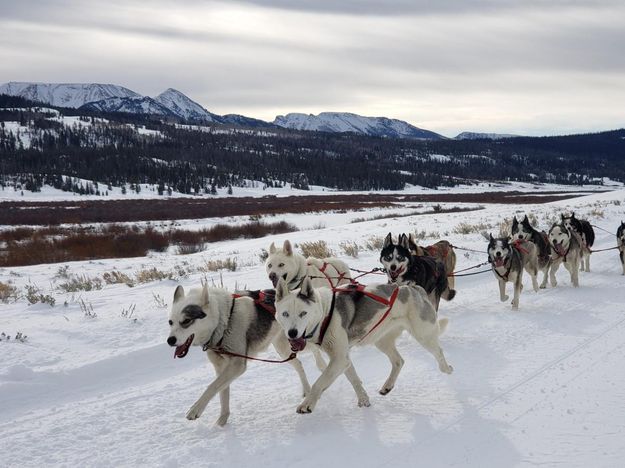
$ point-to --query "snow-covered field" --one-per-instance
(541, 386)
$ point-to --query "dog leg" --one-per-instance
(552, 273)
(319, 361)
(588, 262)
(361, 393)
(338, 352)
(233, 369)
(427, 333)
(543, 285)
(284, 350)
(386, 344)
(575, 277)
(503, 297)
(518, 286)
(219, 363)
(622, 260)
(533, 272)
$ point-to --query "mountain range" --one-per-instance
(172, 103)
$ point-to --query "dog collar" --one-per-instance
(208, 345)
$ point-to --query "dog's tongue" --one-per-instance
(182, 350)
(499, 262)
(395, 274)
(560, 249)
(298, 344)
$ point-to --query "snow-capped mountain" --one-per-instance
(338, 122)
(243, 121)
(483, 136)
(184, 107)
(132, 105)
(66, 94)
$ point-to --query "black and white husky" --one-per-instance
(524, 231)
(215, 320)
(567, 250)
(586, 237)
(402, 267)
(508, 260)
(293, 267)
(337, 321)
(620, 242)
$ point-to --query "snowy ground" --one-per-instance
(541, 386)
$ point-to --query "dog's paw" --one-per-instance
(504, 298)
(306, 406)
(223, 419)
(543, 286)
(447, 369)
(385, 390)
(364, 401)
(195, 411)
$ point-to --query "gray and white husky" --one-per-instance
(567, 250)
(524, 231)
(213, 319)
(316, 317)
(293, 268)
(508, 260)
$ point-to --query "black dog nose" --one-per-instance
(498, 254)
(520, 236)
(171, 341)
(393, 267)
(292, 333)
(273, 277)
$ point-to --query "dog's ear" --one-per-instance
(282, 290)
(205, 294)
(514, 221)
(388, 240)
(307, 291)
(272, 248)
(288, 249)
(622, 223)
(491, 239)
(178, 293)
(526, 219)
(562, 217)
(572, 215)
(403, 241)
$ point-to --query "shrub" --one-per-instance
(117, 277)
(34, 295)
(8, 293)
(151, 274)
(466, 228)
(350, 248)
(374, 243)
(81, 283)
(186, 249)
(317, 249)
(216, 265)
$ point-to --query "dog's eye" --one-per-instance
(388, 258)
(281, 265)
(302, 314)
(285, 314)
(269, 266)
(185, 322)
(400, 258)
(171, 322)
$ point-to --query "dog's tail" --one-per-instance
(442, 325)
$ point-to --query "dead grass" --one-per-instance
(317, 249)
(467, 228)
(117, 277)
(34, 295)
(78, 283)
(8, 293)
(152, 274)
(216, 265)
(350, 248)
(374, 243)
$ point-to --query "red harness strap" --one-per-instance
(517, 245)
(259, 301)
(338, 278)
(361, 289)
(433, 250)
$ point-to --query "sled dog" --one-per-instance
(620, 241)
(524, 231)
(214, 319)
(508, 260)
(336, 321)
(567, 250)
(293, 268)
(402, 267)
(586, 238)
(442, 251)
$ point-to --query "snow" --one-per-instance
(65, 94)
(480, 135)
(348, 122)
(541, 386)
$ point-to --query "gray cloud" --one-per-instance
(524, 67)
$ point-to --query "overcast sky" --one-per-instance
(527, 67)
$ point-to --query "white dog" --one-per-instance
(337, 322)
(215, 320)
(293, 268)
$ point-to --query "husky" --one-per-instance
(524, 231)
(293, 268)
(620, 242)
(567, 249)
(442, 251)
(586, 237)
(355, 315)
(215, 320)
(508, 260)
(404, 268)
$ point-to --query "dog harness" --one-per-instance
(324, 267)
(357, 287)
(432, 250)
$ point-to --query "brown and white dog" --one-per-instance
(442, 251)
